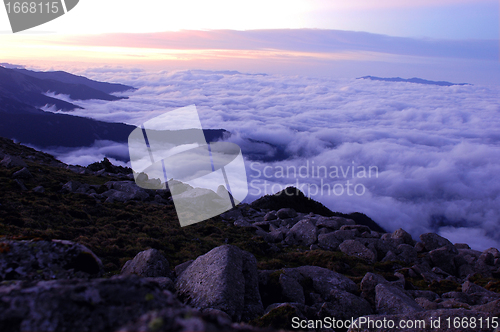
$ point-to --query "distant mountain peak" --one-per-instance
(411, 80)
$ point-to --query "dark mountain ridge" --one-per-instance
(29, 89)
(411, 80)
(68, 78)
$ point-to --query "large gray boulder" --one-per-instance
(47, 260)
(404, 236)
(12, 161)
(333, 223)
(345, 306)
(444, 258)
(390, 299)
(95, 305)
(303, 233)
(368, 284)
(24, 174)
(148, 263)
(357, 249)
(124, 191)
(324, 280)
(332, 240)
(286, 213)
(433, 241)
(226, 279)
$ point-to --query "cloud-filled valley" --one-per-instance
(435, 149)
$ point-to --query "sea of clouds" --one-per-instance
(433, 151)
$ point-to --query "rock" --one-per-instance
(280, 315)
(492, 308)
(333, 223)
(357, 249)
(324, 280)
(20, 184)
(129, 191)
(393, 300)
(286, 213)
(383, 246)
(271, 216)
(331, 241)
(302, 233)
(360, 228)
(163, 283)
(305, 284)
(39, 189)
(407, 253)
(47, 260)
(461, 246)
(368, 284)
(404, 236)
(433, 241)
(459, 296)
(291, 289)
(71, 186)
(182, 267)
(469, 287)
(443, 258)
(12, 161)
(489, 255)
(429, 295)
(426, 304)
(242, 223)
(24, 174)
(81, 305)
(345, 306)
(148, 263)
(226, 279)
(233, 214)
(274, 236)
(421, 321)
(183, 319)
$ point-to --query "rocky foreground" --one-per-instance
(263, 266)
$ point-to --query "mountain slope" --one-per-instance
(31, 90)
(65, 77)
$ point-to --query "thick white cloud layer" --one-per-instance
(434, 151)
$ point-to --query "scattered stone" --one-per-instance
(345, 306)
(443, 258)
(393, 300)
(302, 233)
(286, 213)
(404, 236)
(81, 305)
(148, 263)
(71, 186)
(12, 161)
(368, 284)
(433, 241)
(47, 260)
(357, 249)
(39, 189)
(271, 216)
(24, 174)
(20, 184)
(226, 279)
